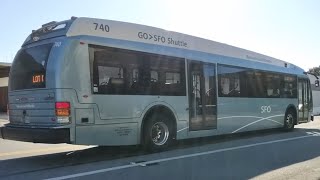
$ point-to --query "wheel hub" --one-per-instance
(289, 120)
(159, 133)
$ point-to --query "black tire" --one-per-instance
(157, 133)
(289, 120)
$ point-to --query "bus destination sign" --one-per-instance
(39, 78)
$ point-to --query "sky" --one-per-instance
(283, 29)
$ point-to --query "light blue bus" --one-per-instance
(100, 82)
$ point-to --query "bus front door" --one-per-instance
(303, 98)
(202, 96)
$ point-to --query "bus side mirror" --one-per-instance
(316, 83)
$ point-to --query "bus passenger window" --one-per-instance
(110, 80)
(225, 83)
(135, 75)
(172, 78)
(154, 76)
(107, 73)
(230, 86)
(121, 71)
(289, 87)
(229, 81)
(272, 85)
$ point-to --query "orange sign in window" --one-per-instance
(37, 79)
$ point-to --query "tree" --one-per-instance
(315, 70)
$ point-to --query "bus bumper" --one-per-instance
(36, 135)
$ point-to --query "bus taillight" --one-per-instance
(62, 105)
(62, 109)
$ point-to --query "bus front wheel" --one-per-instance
(289, 120)
(158, 133)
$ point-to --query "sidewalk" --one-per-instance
(3, 119)
(3, 116)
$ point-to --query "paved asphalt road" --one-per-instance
(269, 154)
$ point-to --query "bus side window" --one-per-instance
(120, 71)
(230, 85)
(225, 84)
(110, 80)
(134, 84)
(154, 76)
(273, 85)
(155, 84)
(289, 87)
(230, 81)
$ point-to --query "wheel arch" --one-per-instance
(159, 108)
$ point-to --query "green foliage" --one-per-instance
(315, 70)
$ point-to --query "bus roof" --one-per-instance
(84, 26)
(152, 35)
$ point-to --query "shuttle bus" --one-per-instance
(101, 82)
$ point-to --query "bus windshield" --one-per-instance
(29, 68)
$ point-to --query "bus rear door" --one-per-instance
(304, 98)
(202, 96)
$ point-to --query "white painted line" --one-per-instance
(44, 150)
(176, 158)
(140, 164)
(94, 172)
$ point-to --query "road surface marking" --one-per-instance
(43, 150)
(176, 158)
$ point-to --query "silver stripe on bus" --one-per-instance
(266, 118)
(259, 119)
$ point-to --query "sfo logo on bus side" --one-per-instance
(265, 109)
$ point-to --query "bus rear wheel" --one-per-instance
(158, 133)
(289, 120)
